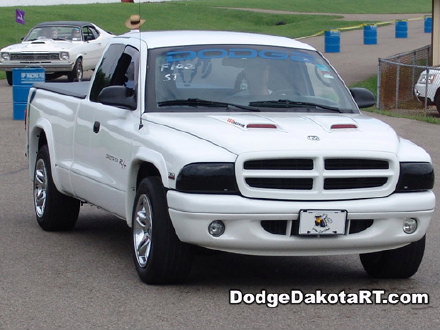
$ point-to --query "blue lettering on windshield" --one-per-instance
(181, 56)
(211, 53)
(271, 55)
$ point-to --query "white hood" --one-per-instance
(43, 45)
(285, 131)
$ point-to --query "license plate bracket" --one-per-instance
(322, 222)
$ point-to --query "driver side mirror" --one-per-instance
(118, 96)
(363, 97)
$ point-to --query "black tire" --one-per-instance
(54, 210)
(159, 256)
(398, 263)
(77, 73)
(9, 77)
(437, 100)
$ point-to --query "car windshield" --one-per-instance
(245, 78)
(71, 33)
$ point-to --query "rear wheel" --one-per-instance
(159, 256)
(54, 210)
(437, 100)
(398, 263)
(77, 73)
(9, 77)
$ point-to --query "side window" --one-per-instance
(88, 34)
(94, 32)
(106, 69)
(119, 67)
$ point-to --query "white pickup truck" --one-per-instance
(237, 142)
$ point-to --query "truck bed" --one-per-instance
(75, 89)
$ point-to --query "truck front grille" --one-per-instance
(326, 177)
(34, 56)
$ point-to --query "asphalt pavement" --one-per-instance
(85, 279)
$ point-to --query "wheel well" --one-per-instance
(436, 97)
(42, 140)
(146, 170)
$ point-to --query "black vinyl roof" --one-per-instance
(64, 23)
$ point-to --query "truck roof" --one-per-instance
(159, 39)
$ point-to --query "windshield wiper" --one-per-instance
(292, 104)
(194, 102)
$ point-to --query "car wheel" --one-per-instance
(398, 263)
(77, 73)
(9, 77)
(54, 210)
(159, 256)
(437, 100)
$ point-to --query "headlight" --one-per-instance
(5, 56)
(214, 178)
(64, 56)
(415, 177)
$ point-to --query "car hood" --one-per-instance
(43, 45)
(240, 133)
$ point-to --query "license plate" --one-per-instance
(322, 222)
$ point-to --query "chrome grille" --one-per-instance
(34, 56)
(326, 177)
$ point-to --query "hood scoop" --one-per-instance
(334, 123)
(38, 42)
(247, 122)
(343, 126)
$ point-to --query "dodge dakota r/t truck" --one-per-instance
(236, 142)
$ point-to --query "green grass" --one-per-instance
(418, 116)
(370, 84)
(168, 16)
(333, 6)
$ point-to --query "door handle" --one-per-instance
(96, 126)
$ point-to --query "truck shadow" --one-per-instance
(102, 232)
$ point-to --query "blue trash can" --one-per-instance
(370, 35)
(332, 41)
(22, 80)
(402, 29)
(428, 24)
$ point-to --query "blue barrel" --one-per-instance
(428, 24)
(402, 29)
(22, 80)
(332, 41)
(370, 35)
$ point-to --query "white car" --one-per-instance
(428, 87)
(62, 47)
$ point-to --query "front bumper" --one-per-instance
(192, 213)
(61, 66)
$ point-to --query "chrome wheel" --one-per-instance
(142, 230)
(40, 187)
(79, 71)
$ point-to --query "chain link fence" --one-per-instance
(397, 76)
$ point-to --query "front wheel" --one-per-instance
(9, 77)
(159, 256)
(398, 263)
(77, 73)
(54, 210)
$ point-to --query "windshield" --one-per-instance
(72, 33)
(261, 78)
